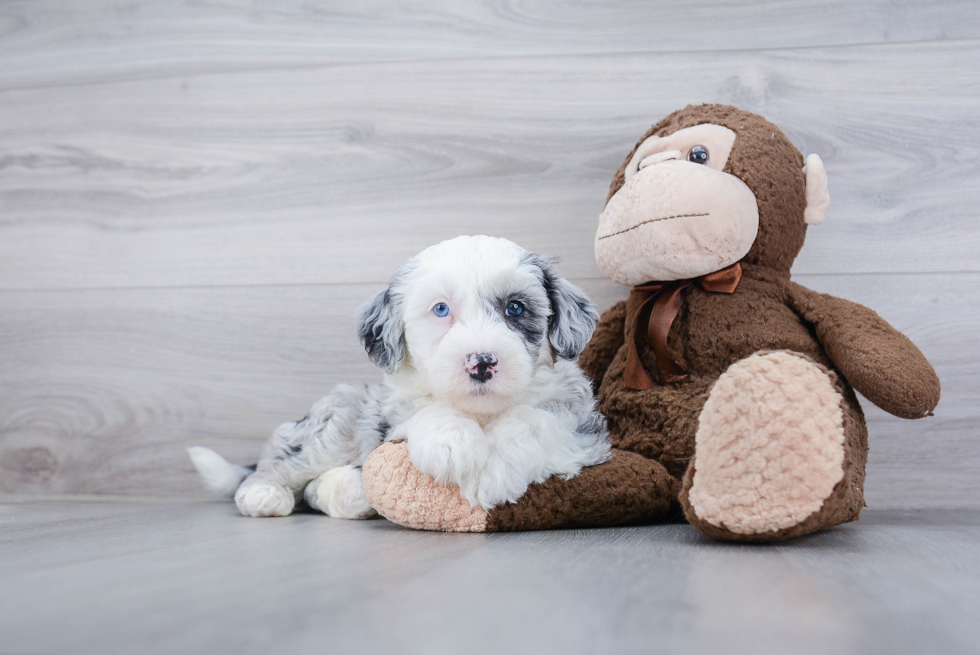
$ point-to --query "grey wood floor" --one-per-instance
(186, 577)
(194, 197)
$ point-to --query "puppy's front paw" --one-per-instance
(452, 453)
(517, 460)
(263, 498)
(500, 482)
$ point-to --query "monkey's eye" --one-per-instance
(698, 154)
(514, 309)
(441, 310)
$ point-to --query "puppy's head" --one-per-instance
(474, 318)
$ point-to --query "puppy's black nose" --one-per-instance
(480, 366)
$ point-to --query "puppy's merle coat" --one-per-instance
(478, 340)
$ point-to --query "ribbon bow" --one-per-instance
(659, 307)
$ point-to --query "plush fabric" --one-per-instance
(717, 139)
(400, 493)
(635, 490)
(767, 162)
(673, 243)
(792, 416)
(817, 194)
(770, 444)
(876, 359)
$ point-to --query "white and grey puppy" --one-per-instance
(478, 339)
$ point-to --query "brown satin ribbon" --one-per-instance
(661, 304)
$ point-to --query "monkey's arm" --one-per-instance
(605, 343)
(878, 360)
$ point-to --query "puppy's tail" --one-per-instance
(218, 475)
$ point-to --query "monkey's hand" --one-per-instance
(878, 360)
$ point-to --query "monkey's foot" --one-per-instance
(627, 489)
(770, 453)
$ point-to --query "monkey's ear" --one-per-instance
(817, 195)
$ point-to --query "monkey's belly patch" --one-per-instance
(769, 449)
(403, 495)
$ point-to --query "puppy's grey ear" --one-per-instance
(379, 325)
(573, 314)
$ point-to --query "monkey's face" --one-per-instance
(679, 214)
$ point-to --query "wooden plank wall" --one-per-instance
(195, 197)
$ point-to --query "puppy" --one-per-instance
(478, 340)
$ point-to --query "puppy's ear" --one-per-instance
(379, 325)
(573, 315)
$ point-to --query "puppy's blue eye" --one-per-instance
(514, 309)
(441, 310)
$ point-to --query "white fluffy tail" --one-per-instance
(218, 475)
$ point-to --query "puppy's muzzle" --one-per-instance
(480, 366)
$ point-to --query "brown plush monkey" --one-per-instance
(727, 387)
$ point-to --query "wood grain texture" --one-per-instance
(103, 389)
(49, 42)
(292, 176)
(115, 577)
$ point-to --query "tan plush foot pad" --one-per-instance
(770, 445)
(404, 496)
